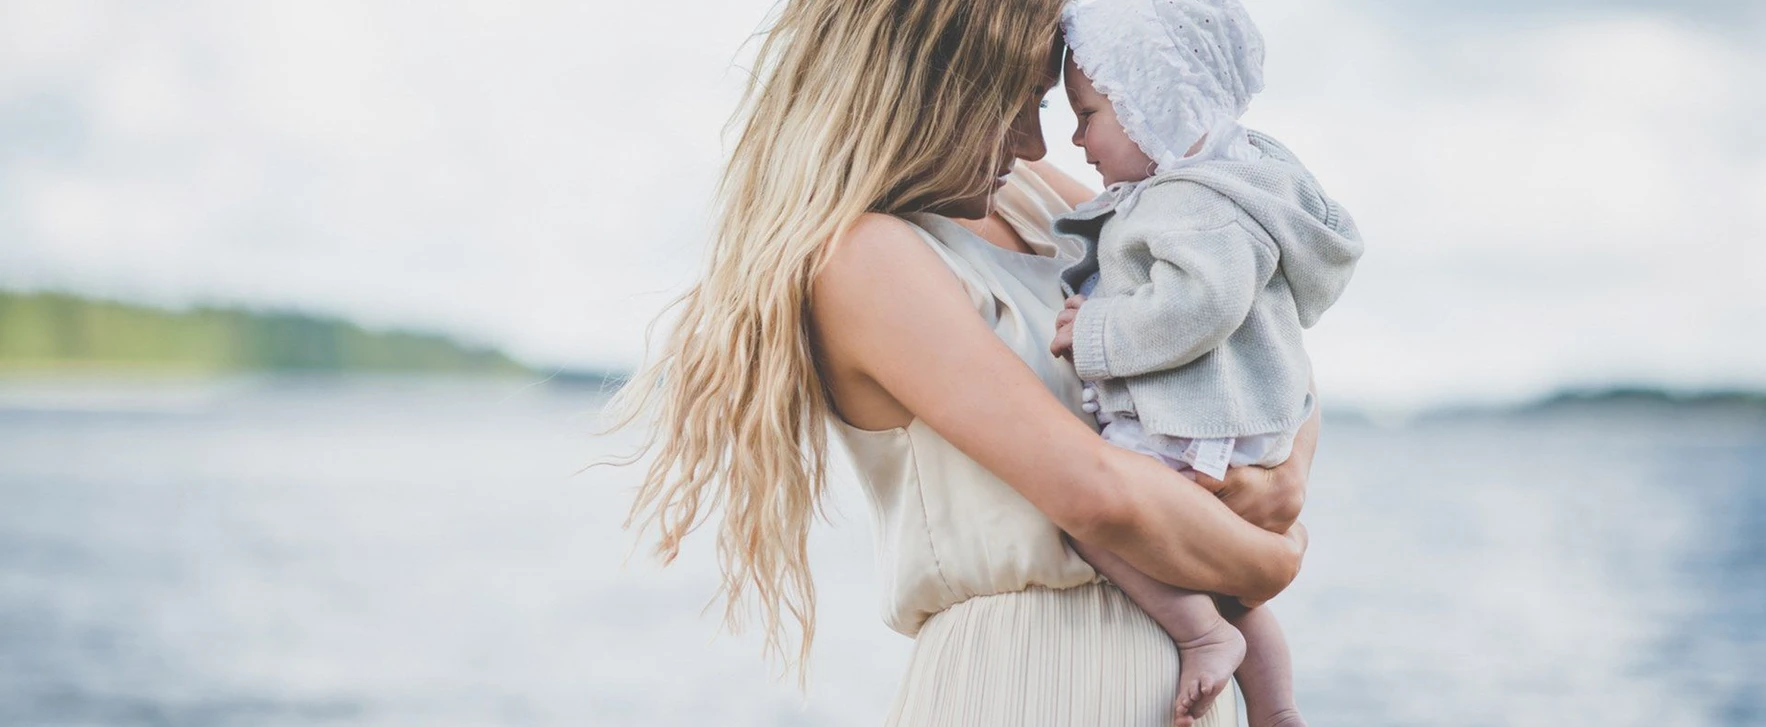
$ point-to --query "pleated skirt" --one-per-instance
(1079, 657)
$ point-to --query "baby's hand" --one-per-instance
(1062, 346)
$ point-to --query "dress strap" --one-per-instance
(980, 293)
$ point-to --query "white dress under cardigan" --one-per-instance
(1010, 626)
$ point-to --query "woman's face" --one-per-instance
(1023, 141)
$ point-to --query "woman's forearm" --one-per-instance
(1181, 534)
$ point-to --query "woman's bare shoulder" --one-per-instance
(871, 234)
(872, 266)
(876, 250)
(881, 253)
(885, 308)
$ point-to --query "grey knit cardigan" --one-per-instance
(1206, 276)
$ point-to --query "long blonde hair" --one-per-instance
(855, 106)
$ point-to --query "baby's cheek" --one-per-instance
(1124, 150)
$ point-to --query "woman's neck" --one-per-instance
(996, 231)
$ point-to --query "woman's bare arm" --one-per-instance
(889, 314)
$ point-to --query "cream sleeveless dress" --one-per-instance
(1011, 628)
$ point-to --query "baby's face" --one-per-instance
(1107, 147)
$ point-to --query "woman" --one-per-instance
(882, 267)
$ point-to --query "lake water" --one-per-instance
(385, 552)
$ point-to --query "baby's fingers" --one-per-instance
(1062, 346)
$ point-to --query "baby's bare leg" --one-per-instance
(1208, 647)
(1267, 675)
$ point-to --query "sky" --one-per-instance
(1563, 193)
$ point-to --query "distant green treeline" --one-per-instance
(54, 331)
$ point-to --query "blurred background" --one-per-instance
(307, 310)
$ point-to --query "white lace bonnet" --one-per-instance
(1173, 69)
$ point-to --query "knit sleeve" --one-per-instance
(1201, 287)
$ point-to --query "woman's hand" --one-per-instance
(1270, 497)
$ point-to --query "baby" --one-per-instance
(1210, 251)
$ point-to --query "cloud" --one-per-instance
(1569, 193)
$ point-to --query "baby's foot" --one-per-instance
(1283, 718)
(1203, 666)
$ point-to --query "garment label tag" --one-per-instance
(1210, 456)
